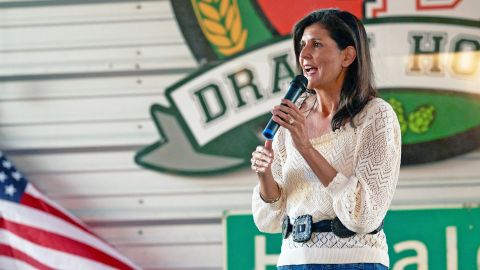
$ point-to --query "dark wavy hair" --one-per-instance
(346, 30)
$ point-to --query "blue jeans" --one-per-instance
(348, 266)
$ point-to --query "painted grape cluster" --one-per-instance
(418, 121)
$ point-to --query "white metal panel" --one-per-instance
(76, 135)
(84, 13)
(90, 35)
(204, 257)
(164, 234)
(37, 164)
(106, 59)
(463, 166)
(80, 110)
(141, 182)
(87, 87)
(158, 240)
(67, 33)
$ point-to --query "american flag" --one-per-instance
(36, 233)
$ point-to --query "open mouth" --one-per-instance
(309, 70)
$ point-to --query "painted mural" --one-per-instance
(426, 55)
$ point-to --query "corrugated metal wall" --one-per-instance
(77, 79)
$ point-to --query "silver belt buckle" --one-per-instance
(302, 228)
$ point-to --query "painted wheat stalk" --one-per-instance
(221, 24)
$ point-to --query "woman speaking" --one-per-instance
(328, 177)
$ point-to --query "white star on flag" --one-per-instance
(17, 176)
(3, 177)
(10, 190)
(7, 164)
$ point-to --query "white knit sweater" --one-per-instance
(367, 159)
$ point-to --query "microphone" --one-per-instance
(297, 86)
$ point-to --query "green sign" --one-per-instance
(425, 239)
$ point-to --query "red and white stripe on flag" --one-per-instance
(36, 233)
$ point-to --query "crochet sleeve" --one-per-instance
(361, 201)
(268, 216)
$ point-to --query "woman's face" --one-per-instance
(321, 59)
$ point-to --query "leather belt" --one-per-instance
(303, 227)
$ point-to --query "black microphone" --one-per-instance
(297, 86)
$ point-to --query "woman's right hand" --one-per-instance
(262, 158)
